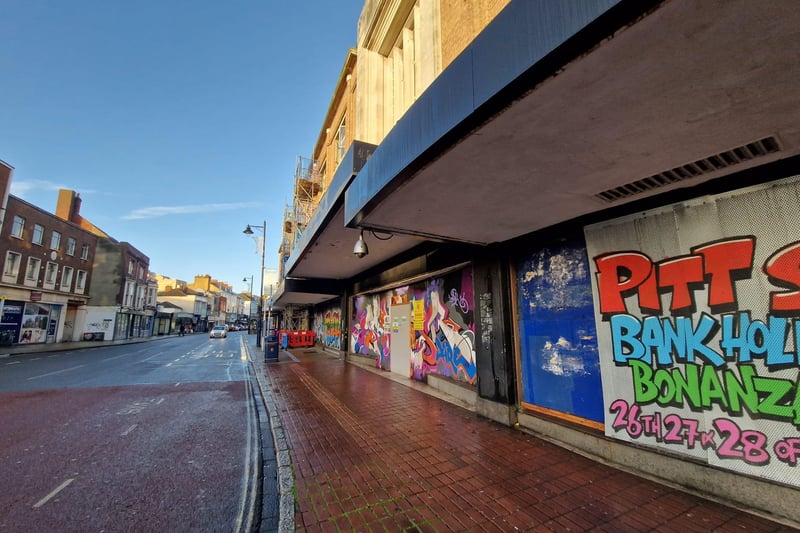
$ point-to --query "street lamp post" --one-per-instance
(249, 231)
(250, 305)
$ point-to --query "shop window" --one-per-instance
(559, 357)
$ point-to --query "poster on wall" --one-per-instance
(35, 319)
(11, 320)
(697, 307)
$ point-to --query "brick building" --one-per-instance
(47, 275)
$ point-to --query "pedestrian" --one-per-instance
(180, 333)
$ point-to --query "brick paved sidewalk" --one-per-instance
(370, 454)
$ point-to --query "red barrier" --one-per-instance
(297, 338)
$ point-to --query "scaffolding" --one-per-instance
(287, 239)
(307, 191)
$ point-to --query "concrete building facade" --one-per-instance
(582, 226)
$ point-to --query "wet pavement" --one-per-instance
(357, 451)
(371, 454)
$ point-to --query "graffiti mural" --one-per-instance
(443, 326)
(698, 316)
(328, 326)
(369, 334)
(445, 342)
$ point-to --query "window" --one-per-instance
(50, 272)
(38, 234)
(130, 287)
(80, 282)
(32, 274)
(66, 279)
(11, 268)
(19, 225)
(55, 240)
(141, 272)
(71, 243)
(85, 252)
(341, 139)
(323, 170)
(130, 266)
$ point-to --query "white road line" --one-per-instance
(178, 384)
(52, 494)
(159, 401)
(54, 373)
(13, 363)
(168, 364)
(125, 433)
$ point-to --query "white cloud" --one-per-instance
(21, 188)
(162, 211)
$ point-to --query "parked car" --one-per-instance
(218, 332)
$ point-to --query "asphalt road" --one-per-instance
(158, 436)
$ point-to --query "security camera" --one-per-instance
(360, 249)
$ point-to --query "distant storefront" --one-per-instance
(29, 322)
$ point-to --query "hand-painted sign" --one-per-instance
(698, 317)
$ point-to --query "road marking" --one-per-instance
(125, 433)
(52, 494)
(178, 384)
(159, 401)
(168, 364)
(54, 373)
(13, 363)
(115, 357)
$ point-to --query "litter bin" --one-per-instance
(271, 345)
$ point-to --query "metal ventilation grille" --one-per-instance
(735, 156)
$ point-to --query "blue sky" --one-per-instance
(179, 122)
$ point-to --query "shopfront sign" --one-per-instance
(698, 319)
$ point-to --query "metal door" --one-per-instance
(400, 341)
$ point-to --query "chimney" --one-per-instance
(68, 206)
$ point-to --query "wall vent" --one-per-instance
(701, 167)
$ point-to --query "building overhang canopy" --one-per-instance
(559, 110)
(563, 109)
(323, 256)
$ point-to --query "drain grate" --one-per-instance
(707, 165)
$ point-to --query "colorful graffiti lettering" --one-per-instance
(682, 340)
(458, 301)
(708, 360)
(444, 346)
(368, 335)
(444, 343)
(727, 439)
